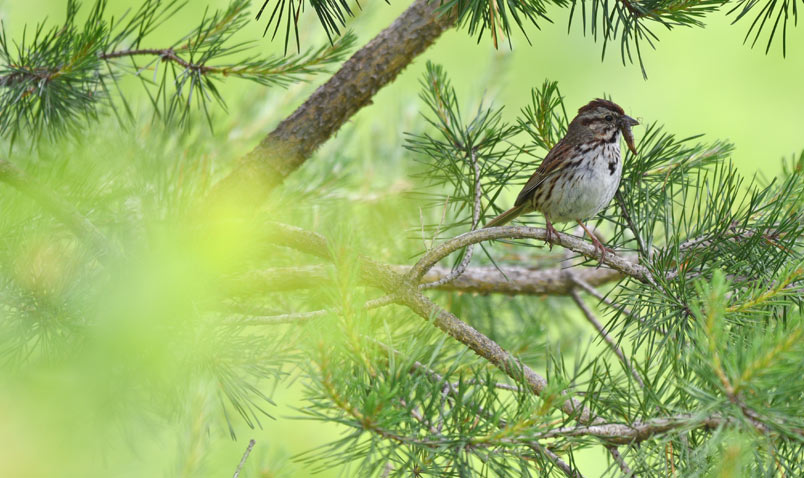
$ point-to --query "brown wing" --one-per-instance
(550, 165)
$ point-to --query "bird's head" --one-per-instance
(606, 120)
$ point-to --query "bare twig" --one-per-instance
(467, 257)
(245, 457)
(420, 418)
(615, 453)
(643, 252)
(590, 317)
(590, 289)
(560, 464)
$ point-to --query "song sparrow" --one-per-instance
(581, 173)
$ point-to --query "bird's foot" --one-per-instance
(599, 247)
(551, 234)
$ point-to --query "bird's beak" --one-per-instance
(625, 126)
(628, 121)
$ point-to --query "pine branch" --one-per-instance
(453, 392)
(69, 216)
(65, 76)
(404, 292)
(630, 22)
(349, 90)
(384, 275)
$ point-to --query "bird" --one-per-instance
(580, 174)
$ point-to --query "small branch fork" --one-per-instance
(170, 55)
(165, 54)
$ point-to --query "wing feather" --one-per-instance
(551, 165)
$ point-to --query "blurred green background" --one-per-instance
(700, 80)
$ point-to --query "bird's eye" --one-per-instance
(609, 118)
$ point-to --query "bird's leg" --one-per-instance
(551, 233)
(598, 245)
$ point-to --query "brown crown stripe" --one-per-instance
(600, 102)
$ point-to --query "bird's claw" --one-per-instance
(603, 250)
(551, 233)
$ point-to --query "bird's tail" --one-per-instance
(506, 217)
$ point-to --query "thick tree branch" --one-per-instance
(331, 105)
(513, 280)
(509, 280)
(621, 433)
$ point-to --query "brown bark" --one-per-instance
(331, 105)
(509, 280)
